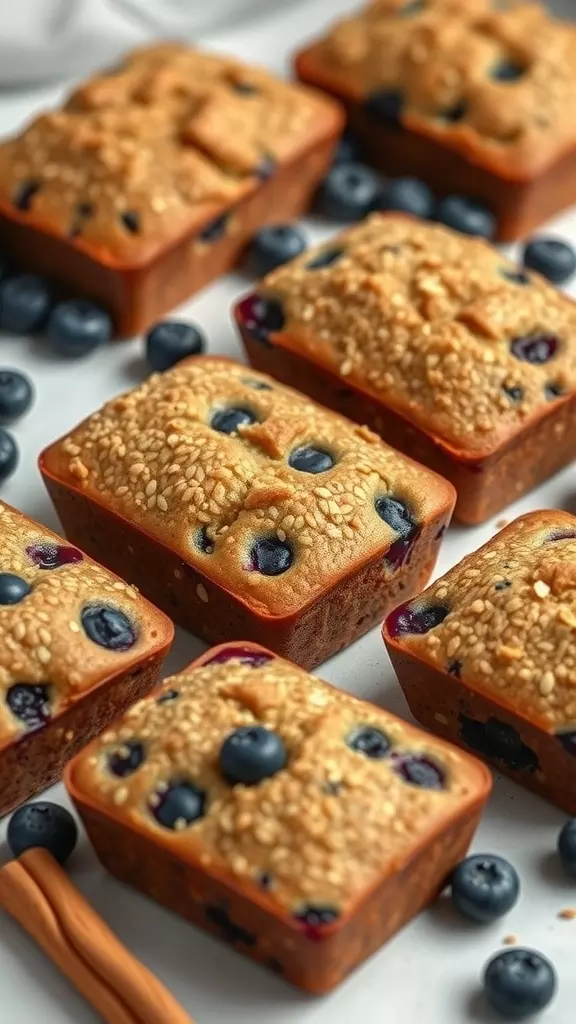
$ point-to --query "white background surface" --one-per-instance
(428, 974)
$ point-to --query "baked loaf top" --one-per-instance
(66, 625)
(439, 326)
(141, 154)
(504, 619)
(353, 791)
(497, 82)
(268, 494)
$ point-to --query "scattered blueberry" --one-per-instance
(550, 257)
(507, 71)
(515, 276)
(9, 455)
(52, 556)
(250, 754)
(13, 589)
(229, 930)
(536, 349)
(30, 702)
(347, 151)
(45, 826)
(227, 421)
(126, 759)
(270, 556)
(484, 887)
(348, 192)
(215, 229)
(454, 668)
(553, 390)
(167, 696)
(25, 300)
(498, 741)
(467, 216)
(244, 655)
(324, 258)
(417, 619)
(418, 770)
(455, 113)
(385, 106)
(407, 195)
(515, 393)
(131, 221)
(170, 341)
(567, 846)
(203, 542)
(273, 246)
(77, 326)
(519, 983)
(108, 627)
(266, 168)
(316, 917)
(310, 460)
(16, 395)
(502, 585)
(25, 193)
(261, 317)
(179, 805)
(397, 515)
(371, 742)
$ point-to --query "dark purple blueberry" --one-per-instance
(502, 585)
(567, 847)
(126, 759)
(396, 514)
(324, 258)
(499, 742)
(76, 327)
(131, 221)
(311, 460)
(347, 151)
(265, 880)
(515, 393)
(455, 668)
(316, 917)
(273, 246)
(178, 806)
(515, 276)
(47, 555)
(484, 887)
(261, 317)
(550, 257)
(266, 168)
(568, 741)
(270, 556)
(371, 742)
(9, 455)
(536, 348)
(258, 385)
(461, 213)
(25, 301)
(348, 193)
(43, 826)
(227, 421)
(553, 390)
(25, 193)
(455, 113)
(244, 655)
(204, 543)
(507, 71)
(83, 213)
(519, 983)
(108, 627)
(416, 619)
(385, 106)
(418, 770)
(407, 195)
(13, 589)
(170, 341)
(250, 754)
(16, 395)
(215, 229)
(168, 696)
(30, 703)
(229, 931)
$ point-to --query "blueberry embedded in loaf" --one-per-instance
(487, 655)
(78, 645)
(246, 510)
(437, 342)
(300, 824)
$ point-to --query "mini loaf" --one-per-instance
(300, 824)
(487, 655)
(438, 343)
(150, 180)
(475, 96)
(245, 510)
(77, 647)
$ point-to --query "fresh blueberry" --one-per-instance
(324, 258)
(536, 349)
(13, 589)
(507, 71)
(126, 759)
(44, 826)
(77, 326)
(108, 627)
(418, 770)
(168, 696)
(395, 513)
(515, 276)
(519, 983)
(371, 742)
(347, 151)
(567, 847)
(484, 887)
(25, 301)
(179, 805)
(131, 221)
(273, 246)
(310, 460)
(52, 556)
(250, 754)
(417, 619)
(244, 655)
(204, 543)
(261, 317)
(407, 195)
(467, 216)
(502, 585)
(170, 341)
(215, 229)
(349, 192)
(498, 741)
(9, 455)
(266, 168)
(270, 556)
(25, 193)
(227, 421)
(16, 395)
(550, 257)
(30, 703)
(553, 390)
(316, 916)
(515, 393)
(385, 106)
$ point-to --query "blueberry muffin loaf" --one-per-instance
(247, 511)
(77, 647)
(438, 343)
(475, 96)
(487, 655)
(151, 178)
(299, 824)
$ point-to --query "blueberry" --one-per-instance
(550, 257)
(52, 556)
(131, 221)
(77, 326)
(244, 655)
(203, 542)
(324, 258)
(25, 193)
(347, 151)
(126, 759)
(179, 805)
(396, 514)
(408, 195)
(317, 915)
(261, 317)
(270, 556)
(349, 192)
(454, 668)
(507, 71)
(9, 455)
(553, 390)
(16, 395)
(273, 246)
(250, 754)
(455, 113)
(45, 826)
(25, 301)
(467, 216)
(519, 983)
(266, 168)
(385, 106)
(258, 385)
(484, 887)
(227, 421)
(371, 742)
(416, 619)
(568, 741)
(215, 229)
(515, 276)
(515, 393)
(502, 585)
(170, 341)
(108, 627)
(567, 847)
(229, 930)
(30, 703)
(418, 770)
(168, 696)
(310, 460)
(13, 589)
(537, 349)
(498, 741)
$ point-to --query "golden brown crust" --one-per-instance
(423, 319)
